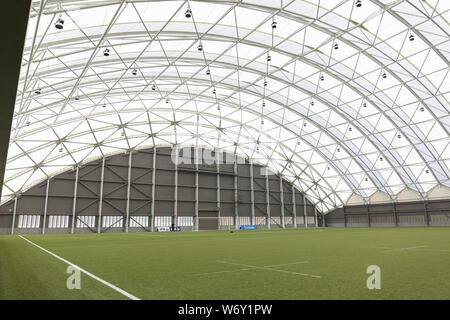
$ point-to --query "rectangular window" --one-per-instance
(226, 221)
(112, 222)
(163, 221)
(138, 221)
(29, 221)
(244, 221)
(184, 221)
(58, 221)
(288, 220)
(85, 222)
(260, 221)
(275, 220)
(300, 220)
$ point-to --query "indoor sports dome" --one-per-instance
(134, 116)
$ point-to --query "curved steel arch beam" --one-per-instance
(249, 138)
(366, 128)
(312, 143)
(398, 121)
(338, 137)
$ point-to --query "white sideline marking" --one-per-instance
(128, 295)
(250, 267)
(400, 249)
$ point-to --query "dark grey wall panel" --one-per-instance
(124, 188)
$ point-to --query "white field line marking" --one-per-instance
(271, 269)
(440, 250)
(252, 268)
(420, 248)
(128, 295)
(401, 249)
(285, 264)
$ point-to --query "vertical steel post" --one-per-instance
(252, 194)
(294, 207)
(283, 225)
(395, 214)
(152, 217)
(175, 194)
(196, 190)
(100, 200)
(74, 206)
(236, 198)
(127, 221)
(268, 199)
(14, 215)
(304, 212)
(45, 206)
(315, 217)
(218, 187)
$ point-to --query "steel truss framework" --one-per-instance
(338, 98)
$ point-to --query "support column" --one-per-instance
(236, 198)
(368, 216)
(268, 199)
(74, 207)
(427, 216)
(283, 225)
(14, 215)
(45, 206)
(315, 217)
(196, 192)
(323, 220)
(252, 194)
(294, 207)
(304, 212)
(218, 186)
(100, 200)
(175, 194)
(345, 217)
(127, 221)
(395, 214)
(152, 217)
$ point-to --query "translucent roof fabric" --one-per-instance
(340, 97)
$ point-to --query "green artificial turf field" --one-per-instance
(264, 264)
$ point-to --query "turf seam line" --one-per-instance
(123, 292)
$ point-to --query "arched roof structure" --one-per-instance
(341, 97)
